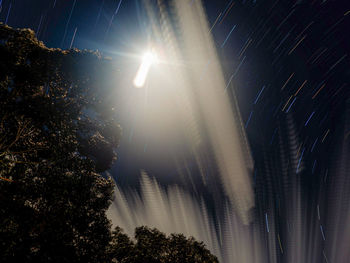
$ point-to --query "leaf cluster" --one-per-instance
(153, 246)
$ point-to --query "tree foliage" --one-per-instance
(57, 134)
(153, 246)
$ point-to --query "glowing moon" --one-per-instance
(148, 59)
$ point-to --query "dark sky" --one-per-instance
(301, 46)
(282, 55)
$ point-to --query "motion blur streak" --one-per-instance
(224, 129)
(175, 211)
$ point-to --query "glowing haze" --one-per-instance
(210, 125)
(191, 87)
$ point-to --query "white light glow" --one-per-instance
(148, 59)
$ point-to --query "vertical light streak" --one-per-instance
(71, 43)
(8, 13)
(147, 60)
(66, 28)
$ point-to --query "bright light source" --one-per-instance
(148, 59)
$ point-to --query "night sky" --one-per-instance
(279, 57)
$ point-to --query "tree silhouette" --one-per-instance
(57, 132)
(153, 246)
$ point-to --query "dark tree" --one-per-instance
(57, 133)
(153, 246)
